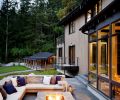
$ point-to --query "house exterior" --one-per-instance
(100, 21)
(103, 29)
(73, 51)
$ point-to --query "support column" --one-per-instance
(45, 65)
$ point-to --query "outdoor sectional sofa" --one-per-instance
(34, 85)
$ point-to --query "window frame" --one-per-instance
(71, 27)
(60, 53)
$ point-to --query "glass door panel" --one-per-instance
(103, 52)
(93, 57)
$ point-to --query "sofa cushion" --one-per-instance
(21, 81)
(46, 79)
(53, 80)
(9, 88)
(1, 97)
(34, 79)
(3, 92)
(14, 81)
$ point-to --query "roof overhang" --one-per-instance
(81, 9)
(109, 11)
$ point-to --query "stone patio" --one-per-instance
(80, 92)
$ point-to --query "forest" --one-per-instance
(30, 26)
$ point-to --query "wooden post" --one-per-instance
(36, 64)
(45, 65)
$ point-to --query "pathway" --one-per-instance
(4, 74)
(80, 92)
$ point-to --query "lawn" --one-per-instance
(12, 69)
(45, 72)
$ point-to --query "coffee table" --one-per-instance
(42, 95)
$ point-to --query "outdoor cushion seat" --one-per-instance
(43, 86)
(32, 86)
(17, 95)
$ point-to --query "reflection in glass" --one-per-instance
(93, 36)
(103, 53)
(116, 27)
(116, 58)
(104, 32)
(93, 80)
(104, 87)
(89, 15)
(93, 57)
(115, 92)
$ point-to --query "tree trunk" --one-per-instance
(6, 47)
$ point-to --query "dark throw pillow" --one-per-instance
(58, 78)
(21, 81)
(9, 88)
(53, 80)
(3, 92)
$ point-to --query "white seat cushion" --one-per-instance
(1, 98)
(17, 95)
(43, 86)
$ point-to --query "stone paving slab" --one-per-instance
(80, 92)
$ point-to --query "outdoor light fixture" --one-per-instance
(54, 97)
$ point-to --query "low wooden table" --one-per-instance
(42, 95)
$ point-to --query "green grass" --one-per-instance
(12, 69)
(45, 72)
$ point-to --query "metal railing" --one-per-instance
(67, 61)
(60, 39)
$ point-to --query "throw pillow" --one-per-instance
(31, 74)
(9, 88)
(21, 81)
(53, 80)
(14, 81)
(46, 80)
(3, 92)
(58, 78)
(1, 98)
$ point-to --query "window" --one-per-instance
(97, 8)
(115, 92)
(93, 80)
(104, 32)
(89, 15)
(71, 55)
(72, 27)
(93, 37)
(103, 57)
(94, 11)
(116, 51)
(103, 52)
(104, 87)
(60, 52)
